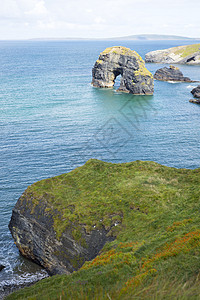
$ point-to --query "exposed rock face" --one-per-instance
(189, 54)
(114, 61)
(196, 92)
(32, 227)
(171, 74)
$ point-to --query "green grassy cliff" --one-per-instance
(153, 213)
(184, 51)
(187, 54)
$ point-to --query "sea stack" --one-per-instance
(118, 60)
(171, 74)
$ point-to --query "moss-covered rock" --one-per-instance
(53, 233)
(114, 61)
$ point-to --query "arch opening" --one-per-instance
(118, 77)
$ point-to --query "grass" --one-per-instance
(152, 210)
(120, 50)
(184, 51)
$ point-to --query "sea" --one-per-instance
(52, 120)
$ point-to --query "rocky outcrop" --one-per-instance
(32, 228)
(171, 74)
(196, 92)
(56, 225)
(189, 54)
(114, 61)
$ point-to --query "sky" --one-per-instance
(26, 19)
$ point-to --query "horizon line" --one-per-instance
(137, 37)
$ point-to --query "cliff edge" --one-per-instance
(146, 212)
(55, 225)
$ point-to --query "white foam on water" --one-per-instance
(17, 271)
(190, 86)
(23, 279)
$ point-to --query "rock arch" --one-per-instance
(115, 61)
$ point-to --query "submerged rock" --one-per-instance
(1, 267)
(189, 54)
(196, 101)
(114, 61)
(196, 92)
(171, 74)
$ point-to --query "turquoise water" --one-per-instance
(52, 120)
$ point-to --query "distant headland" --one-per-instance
(187, 54)
(136, 37)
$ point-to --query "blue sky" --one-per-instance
(24, 19)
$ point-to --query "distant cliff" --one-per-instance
(153, 37)
(189, 54)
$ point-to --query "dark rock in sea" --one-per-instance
(1, 267)
(114, 61)
(196, 92)
(59, 248)
(197, 101)
(171, 74)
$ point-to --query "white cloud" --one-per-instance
(56, 25)
(89, 10)
(99, 20)
(38, 9)
(92, 18)
(9, 9)
(46, 25)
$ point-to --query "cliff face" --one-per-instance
(114, 61)
(33, 227)
(189, 54)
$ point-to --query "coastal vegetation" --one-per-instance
(185, 51)
(187, 54)
(152, 213)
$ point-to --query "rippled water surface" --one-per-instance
(52, 120)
